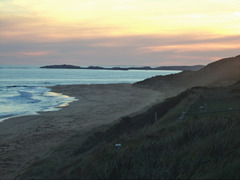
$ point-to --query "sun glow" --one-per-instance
(61, 21)
(118, 18)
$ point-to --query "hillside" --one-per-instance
(161, 143)
(220, 73)
(236, 85)
(192, 135)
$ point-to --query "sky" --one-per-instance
(118, 32)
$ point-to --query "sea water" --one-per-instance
(24, 90)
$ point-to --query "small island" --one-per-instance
(180, 68)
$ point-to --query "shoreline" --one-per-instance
(25, 139)
(65, 100)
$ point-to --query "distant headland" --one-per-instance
(181, 68)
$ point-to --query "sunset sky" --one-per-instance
(118, 32)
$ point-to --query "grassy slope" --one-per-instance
(219, 73)
(204, 144)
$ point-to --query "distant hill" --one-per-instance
(220, 73)
(181, 68)
(63, 66)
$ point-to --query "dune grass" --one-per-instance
(204, 144)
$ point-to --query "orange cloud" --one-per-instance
(191, 47)
(109, 44)
(45, 20)
(28, 54)
(37, 53)
(198, 58)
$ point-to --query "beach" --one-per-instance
(23, 140)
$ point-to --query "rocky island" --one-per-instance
(181, 68)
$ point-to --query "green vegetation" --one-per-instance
(201, 144)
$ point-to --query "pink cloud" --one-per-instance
(129, 50)
(29, 54)
(36, 53)
(190, 47)
(108, 44)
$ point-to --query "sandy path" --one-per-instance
(28, 138)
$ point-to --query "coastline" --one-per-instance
(30, 100)
(26, 139)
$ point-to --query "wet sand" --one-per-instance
(26, 139)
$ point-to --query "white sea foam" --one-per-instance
(19, 101)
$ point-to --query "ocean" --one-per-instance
(24, 90)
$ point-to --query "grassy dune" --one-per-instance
(194, 135)
(201, 144)
(219, 73)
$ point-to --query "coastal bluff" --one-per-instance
(223, 72)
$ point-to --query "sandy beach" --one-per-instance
(26, 139)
